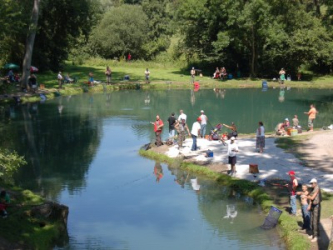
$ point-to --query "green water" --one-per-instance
(83, 152)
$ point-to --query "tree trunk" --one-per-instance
(253, 73)
(317, 5)
(30, 43)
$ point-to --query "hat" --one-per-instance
(286, 119)
(199, 119)
(291, 172)
(232, 138)
(202, 111)
(313, 180)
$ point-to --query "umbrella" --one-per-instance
(33, 69)
(11, 66)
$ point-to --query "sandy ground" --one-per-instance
(274, 163)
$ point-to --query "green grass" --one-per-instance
(20, 227)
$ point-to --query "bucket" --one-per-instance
(209, 153)
(289, 131)
(253, 169)
(294, 132)
(207, 137)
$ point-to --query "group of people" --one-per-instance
(64, 79)
(179, 124)
(220, 73)
(281, 128)
(310, 203)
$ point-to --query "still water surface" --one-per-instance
(83, 152)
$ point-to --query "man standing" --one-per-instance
(195, 132)
(312, 116)
(204, 120)
(181, 127)
(182, 115)
(60, 79)
(292, 186)
(172, 121)
(314, 207)
(232, 151)
(147, 74)
(192, 75)
(158, 126)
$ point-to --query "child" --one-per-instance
(305, 211)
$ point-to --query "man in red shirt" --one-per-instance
(158, 127)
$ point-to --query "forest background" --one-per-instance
(256, 37)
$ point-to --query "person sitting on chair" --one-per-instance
(68, 79)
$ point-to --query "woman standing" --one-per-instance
(108, 73)
(260, 142)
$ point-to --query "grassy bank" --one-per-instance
(21, 230)
(288, 225)
(163, 76)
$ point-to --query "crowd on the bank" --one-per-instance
(310, 200)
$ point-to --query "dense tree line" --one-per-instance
(254, 36)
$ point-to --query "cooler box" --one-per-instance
(293, 132)
(210, 153)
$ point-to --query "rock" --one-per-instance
(51, 210)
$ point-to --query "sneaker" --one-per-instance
(315, 239)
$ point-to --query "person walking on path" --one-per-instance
(195, 132)
(182, 115)
(312, 116)
(147, 74)
(282, 74)
(204, 120)
(314, 208)
(260, 138)
(172, 122)
(304, 203)
(232, 159)
(158, 127)
(181, 127)
(192, 72)
(292, 186)
(108, 73)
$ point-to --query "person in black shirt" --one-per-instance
(172, 121)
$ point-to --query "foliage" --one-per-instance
(122, 30)
(9, 163)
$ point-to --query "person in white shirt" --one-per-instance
(232, 151)
(260, 138)
(182, 115)
(60, 79)
(195, 132)
(204, 120)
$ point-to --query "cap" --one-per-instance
(202, 111)
(232, 138)
(199, 119)
(286, 119)
(291, 172)
(313, 180)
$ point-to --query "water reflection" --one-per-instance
(158, 171)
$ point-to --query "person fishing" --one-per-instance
(158, 126)
(233, 128)
(181, 126)
(292, 186)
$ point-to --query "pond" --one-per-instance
(83, 152)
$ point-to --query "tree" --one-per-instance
(122, 30)
(9, 163)
(30, 43)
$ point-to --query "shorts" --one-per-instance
(232, 160)
(310, 123)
